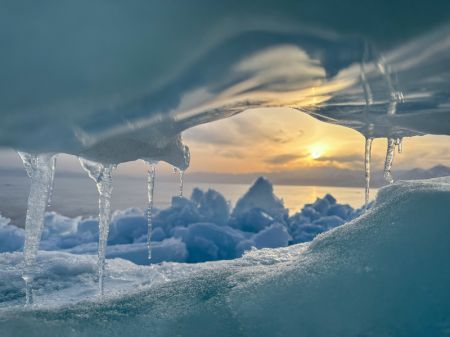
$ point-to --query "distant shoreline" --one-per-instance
(325, 177)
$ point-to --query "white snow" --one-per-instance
(384, 273)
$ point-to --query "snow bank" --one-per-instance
(192, 230)
(385, 273)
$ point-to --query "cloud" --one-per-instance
(283, 158)
(341, 159)
(243, 131)
(290, 157)
(236, 154)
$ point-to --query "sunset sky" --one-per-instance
(283, 139)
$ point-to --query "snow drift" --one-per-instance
(385, 273)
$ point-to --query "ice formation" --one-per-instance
(367, 160)
(102, 176)
(136, 104)
(40, 169)
(389, 160)
(150, 191)
(399, 144)
(181, 182)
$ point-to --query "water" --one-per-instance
(77, 195)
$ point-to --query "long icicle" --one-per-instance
(150, 190)
(367, 161)
(181, 172)
(181, 181)
(399, 144)
(389, 160)
(102, 175)
(50, 194)
(40, 169)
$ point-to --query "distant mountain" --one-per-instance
(318, 176)
(322, 176)
(434, 172)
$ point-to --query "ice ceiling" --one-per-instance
(115, 82)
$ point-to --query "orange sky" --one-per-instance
(266, 140)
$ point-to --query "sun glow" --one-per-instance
(316, 151)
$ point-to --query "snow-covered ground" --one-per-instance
(385, 273)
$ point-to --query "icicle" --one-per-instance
(29, 161)
(40, 168)
(399, 143)
(367, 160)
(181, 172)
(150, 189)
(50, 194)
(389, 160)
(181, 175)
(101, 174)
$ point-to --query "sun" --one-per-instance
(316, 151)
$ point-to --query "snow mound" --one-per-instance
(385, 273)
(192, 230)
(260, 195)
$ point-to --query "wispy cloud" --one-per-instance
(283, 158)
(341, 159)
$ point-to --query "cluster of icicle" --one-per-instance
(395, 96)
(41, 170)
(392, 143)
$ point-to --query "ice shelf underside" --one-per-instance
(135, 102)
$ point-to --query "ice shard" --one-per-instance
(50, 194)
(150, 190)
(40, 168)
(367, 160)
(102, 175)
(181, 182)
(389, 159)
(399, 143)
(181, 173)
